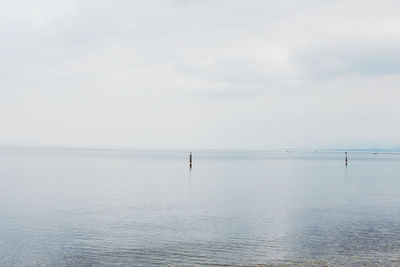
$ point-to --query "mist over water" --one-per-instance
(67, 207)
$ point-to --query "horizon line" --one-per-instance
(138, 149)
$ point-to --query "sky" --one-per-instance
(200, 74)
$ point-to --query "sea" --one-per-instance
(99, 207)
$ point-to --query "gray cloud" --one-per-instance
(205, 74)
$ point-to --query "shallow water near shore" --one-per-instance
(76, 207)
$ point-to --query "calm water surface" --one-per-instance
(65, 207)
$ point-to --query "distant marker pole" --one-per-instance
(345, 159)
(190, 160)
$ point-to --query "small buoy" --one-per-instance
(190, 160)
(345, 159)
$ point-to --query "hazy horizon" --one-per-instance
(367, 150)
(261, 75)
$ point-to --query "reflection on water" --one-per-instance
(102, 207)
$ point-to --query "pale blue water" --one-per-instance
(130, 208)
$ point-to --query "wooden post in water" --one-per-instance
(345, 159)
(190, 160)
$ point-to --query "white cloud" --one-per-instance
(199, 74)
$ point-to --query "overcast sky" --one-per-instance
(187, 74)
